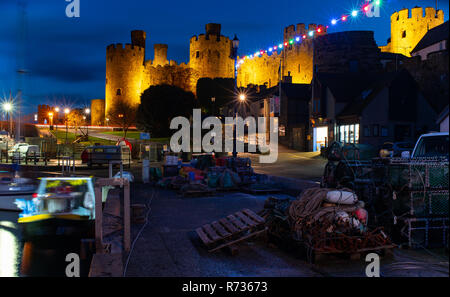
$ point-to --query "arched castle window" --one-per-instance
(119, 92)
(197, 54)
(403, 34)
(298, 68)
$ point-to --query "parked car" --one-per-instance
(24, 151)
(103, 154)
(430, 145)
(395, 149)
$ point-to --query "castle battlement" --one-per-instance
(300, 29)
(120, 48)
(416, 13)
(408, 26)
(209, 38)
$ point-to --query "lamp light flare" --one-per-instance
(355, 12)
(333, 21)
(7, 106)
(242, 97)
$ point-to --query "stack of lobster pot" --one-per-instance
(420, 200)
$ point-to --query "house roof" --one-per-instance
(290, 90)
(433, 36)
(359, 102)
(442, 115)
(345, 87)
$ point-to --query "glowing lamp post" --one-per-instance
(242, 99)
(8, 107)
(66, 113)
(50, 117)
(87, 111)
(57, 116)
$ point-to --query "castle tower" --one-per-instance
(97, 112)
(160, 56)
(124, 71)
(409, 27)
(210, 54)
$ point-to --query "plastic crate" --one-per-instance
(426, 232)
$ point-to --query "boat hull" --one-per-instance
(40, 227)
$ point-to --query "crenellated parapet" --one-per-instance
(210, 54)
(408, 26)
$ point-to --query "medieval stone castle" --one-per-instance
(129, 74)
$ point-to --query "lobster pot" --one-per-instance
(437, 177)
(429, 203)
(407, 176)
(419, 176)
(426, 232)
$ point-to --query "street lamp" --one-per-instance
(57, 117)
(8, 107)
(87, 111)
(66, 112)
(241, 98)
(50, 115)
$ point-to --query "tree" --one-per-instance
(75, 119)
(159, 105)
(122, 114)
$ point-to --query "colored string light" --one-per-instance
(298, 39)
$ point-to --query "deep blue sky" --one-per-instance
(66, 57)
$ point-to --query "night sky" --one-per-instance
(65, 57)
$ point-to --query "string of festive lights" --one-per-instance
(365, 9)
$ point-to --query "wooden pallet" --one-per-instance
(231, 230)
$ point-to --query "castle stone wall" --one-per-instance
(296, 60)
(210, 54)
(408, 27)
(181, 76)
(348, 51)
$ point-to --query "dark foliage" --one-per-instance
(159, 105)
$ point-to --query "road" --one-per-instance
(292, 164)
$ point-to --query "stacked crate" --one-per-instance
(421, 195)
